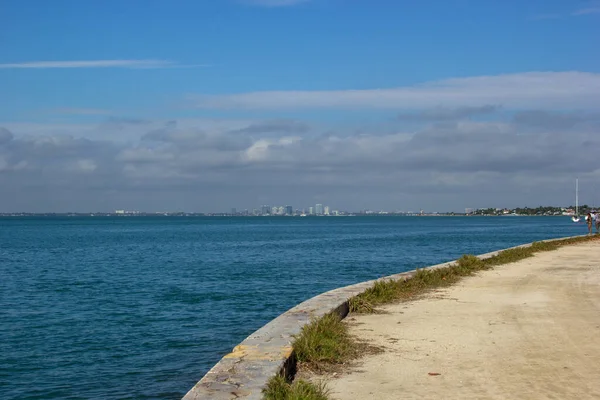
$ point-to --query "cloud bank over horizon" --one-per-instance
(439, 158)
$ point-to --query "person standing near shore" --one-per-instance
(588, 219)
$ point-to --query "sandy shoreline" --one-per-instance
(526, 330)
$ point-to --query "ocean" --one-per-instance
(143, 307)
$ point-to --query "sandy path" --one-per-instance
(527, 330)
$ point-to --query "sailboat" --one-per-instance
(575, 217)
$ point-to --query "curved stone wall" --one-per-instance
(243, 373)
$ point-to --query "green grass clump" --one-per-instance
(382, 291)
(279, 389)
(388, 290)
(510, 255)
(324, 341)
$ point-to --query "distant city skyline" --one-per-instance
(206, 106)
(265, 209)
(289, 210)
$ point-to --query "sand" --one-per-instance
(526, 330)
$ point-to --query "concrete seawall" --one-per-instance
(243, 373)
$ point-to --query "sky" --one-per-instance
(205, 105)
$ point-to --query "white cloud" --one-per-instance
(85, 165)
(587, 11)
(526, 160)
(522, 90)
(591, 7)
(259, 150)
(91, 64)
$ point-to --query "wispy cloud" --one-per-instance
(80, 111)
(587, 11)
(131, 64)
(523, 90)
(590, 7)
(274, 3)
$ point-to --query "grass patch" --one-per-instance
(279, 389)
(388, 290)
(323, 342)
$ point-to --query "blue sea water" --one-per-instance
(141, 308)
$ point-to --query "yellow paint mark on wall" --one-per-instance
(253, 353)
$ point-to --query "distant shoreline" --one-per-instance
(143, 215)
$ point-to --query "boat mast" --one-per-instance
(577, 197)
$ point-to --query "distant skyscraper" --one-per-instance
(311, 210)
(326, 210)
(319, 209)
(265, 210)
(233, 211)
(289, 210)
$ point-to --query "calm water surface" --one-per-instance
(141, 308)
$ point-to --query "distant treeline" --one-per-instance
(548, 210)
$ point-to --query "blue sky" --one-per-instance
(312, 45)
(342, 68)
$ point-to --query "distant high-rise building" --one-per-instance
(319, 209)
(233, 211)
(289, 210)
(265, 210)
(326, 210)
(311, 210)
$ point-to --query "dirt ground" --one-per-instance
(527, 330)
